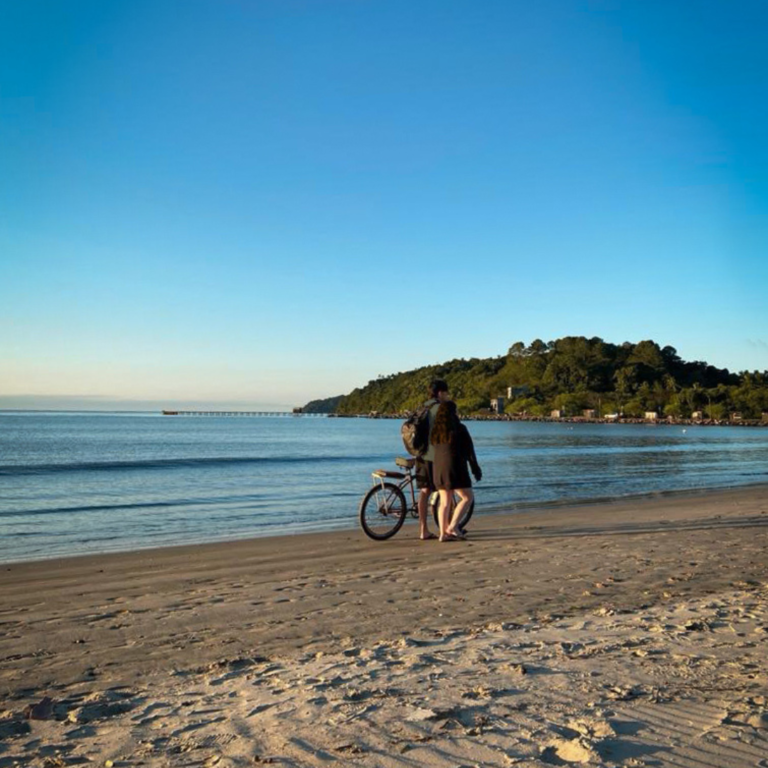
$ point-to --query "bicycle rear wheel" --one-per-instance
(382, 511)
(434, 505)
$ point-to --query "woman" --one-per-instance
(453, 451)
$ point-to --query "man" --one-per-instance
(438, 393)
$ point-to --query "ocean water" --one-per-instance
(77, 483)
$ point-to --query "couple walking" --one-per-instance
(444, 465)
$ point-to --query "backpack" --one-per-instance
(415, 431)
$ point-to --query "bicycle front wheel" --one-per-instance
(382, 511)
(434, 505)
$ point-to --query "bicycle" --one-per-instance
(383, 508)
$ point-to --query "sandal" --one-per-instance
(428, 537)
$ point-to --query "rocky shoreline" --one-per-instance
(573, 420)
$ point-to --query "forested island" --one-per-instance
(571, 377)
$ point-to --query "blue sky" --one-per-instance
(259, 203)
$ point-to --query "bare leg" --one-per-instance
(444, 515)
(465, 499)
(424, 532)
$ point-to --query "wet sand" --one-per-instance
(632, 633)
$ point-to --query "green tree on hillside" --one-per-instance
(574, 373)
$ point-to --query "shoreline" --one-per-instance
(569, 636)
(668, 421)
(536, 508)
(280, 556)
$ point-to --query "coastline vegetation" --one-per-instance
(573, 375)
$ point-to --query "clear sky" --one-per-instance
(260, 202)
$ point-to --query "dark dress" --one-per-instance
(450, 466)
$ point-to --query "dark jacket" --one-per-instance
(451, 459)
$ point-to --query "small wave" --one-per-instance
(98, 508)
(251, 502)
(177, 463)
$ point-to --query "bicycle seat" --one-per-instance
(405, 463)
(388, 473)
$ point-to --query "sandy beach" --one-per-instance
(626, 634)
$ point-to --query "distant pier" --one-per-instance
(251, 414)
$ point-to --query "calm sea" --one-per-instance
(76, 483)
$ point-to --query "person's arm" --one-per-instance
(469, 447)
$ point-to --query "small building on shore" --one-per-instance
(589, 413)
(651, 416)
(556, 414)
(697, 416)
(497, 405)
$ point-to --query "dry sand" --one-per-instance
(626, 634)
